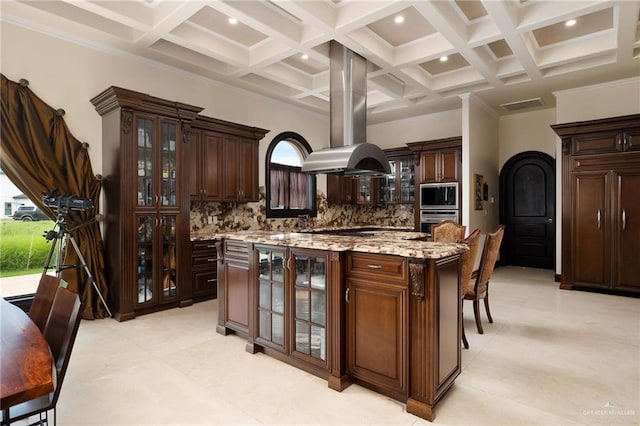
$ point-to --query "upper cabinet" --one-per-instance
(342, 189)
(438, 160)
(222, 161)
(398, 187)
(394, 188)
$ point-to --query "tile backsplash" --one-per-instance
(212, 217)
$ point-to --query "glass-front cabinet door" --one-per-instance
(144, 251)
(388, 185)
(157, 160)
(271, 297)
(399, 185)
(406, 171)
(309, 281)
(168, 223)
(168, 163)
(144, 161)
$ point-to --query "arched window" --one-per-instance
(289, 192)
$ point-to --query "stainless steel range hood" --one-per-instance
(349, 153)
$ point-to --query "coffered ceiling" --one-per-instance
(506, 51)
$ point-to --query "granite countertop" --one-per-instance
(397, 243)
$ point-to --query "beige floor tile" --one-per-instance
(552, 357)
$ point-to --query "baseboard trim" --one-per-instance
(557, 278)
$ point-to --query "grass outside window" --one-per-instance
(23, 248)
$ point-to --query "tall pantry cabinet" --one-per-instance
(601, 212)
(147, 207)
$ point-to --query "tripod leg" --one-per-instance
(89, 274)
(47, 263)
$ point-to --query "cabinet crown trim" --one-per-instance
(599, 125)
(116, 97)
(421, 146)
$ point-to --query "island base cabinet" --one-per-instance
(233, 287)
(377, 299)
(435, 331)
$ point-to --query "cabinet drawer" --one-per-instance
(202, 246)
(379, 266)
(205, 283)
(236, 249)
(204, 261)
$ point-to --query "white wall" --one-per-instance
(526, 131)
(414, 129)
(67, 75)
(480, 153)
(612, 99)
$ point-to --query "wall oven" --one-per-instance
(428, 218)
(439, 196)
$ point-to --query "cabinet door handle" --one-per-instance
(374, 266)
(211, 260)
(619, 140)
(346, 295)
(624, 219)
(211, 246)
(598, 218)
(211, 280)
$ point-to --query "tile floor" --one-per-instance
(552, 357)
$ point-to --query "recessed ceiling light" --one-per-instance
(444, 58)
(305, 56)
(570, 23)
(233, 21)
(398, 19)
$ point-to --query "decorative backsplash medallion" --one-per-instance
(214, 217)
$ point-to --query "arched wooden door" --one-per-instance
(527, 209)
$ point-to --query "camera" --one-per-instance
(70, 202)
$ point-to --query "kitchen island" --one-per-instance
(381, 308)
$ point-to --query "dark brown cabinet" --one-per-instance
(204, 161)
(222, 161)
(342, 189)
(601, 225)
(147, 207)
(204, 279)
(399, 186)
(234, 287)
(607, 141)
(377, 322)
(292, 305)
(240, 169)
(439, 160)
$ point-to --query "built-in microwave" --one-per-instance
(439, 196)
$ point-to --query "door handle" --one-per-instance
(598, 218)
(549, 220)
(346, 295)
(624, 219)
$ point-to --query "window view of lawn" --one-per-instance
(23, 251)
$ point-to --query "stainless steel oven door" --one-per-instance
(428, 218)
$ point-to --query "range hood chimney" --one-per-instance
(349, 153)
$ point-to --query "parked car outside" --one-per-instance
(29, 213)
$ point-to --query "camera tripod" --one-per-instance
(56, 237)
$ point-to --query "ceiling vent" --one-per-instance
(520, 105)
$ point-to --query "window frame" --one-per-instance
(305, 149)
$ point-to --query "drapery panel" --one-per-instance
(279, 185)
(298, 185)
(39, 153)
